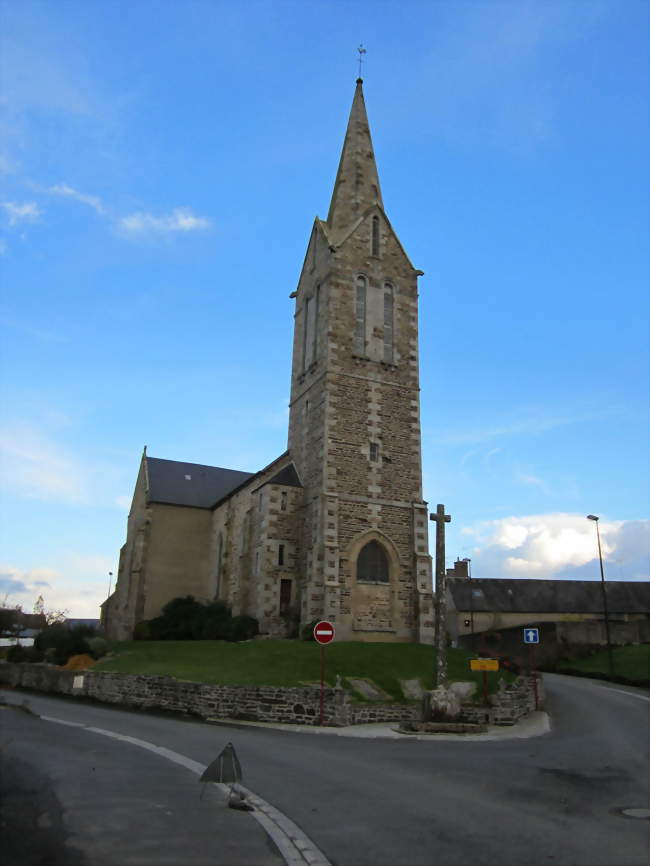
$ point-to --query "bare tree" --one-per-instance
(51, 616)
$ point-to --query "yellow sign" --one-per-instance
(484, 664)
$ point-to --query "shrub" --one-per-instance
(64, 641)
(307, 632)
(215, 621)
(79, 662)
(142, 630)
(180, 620)
(24, 654)
(97, 645)
(188, 619)
(242, 628)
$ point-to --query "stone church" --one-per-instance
(335, 528)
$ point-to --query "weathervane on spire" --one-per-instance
(361, 51)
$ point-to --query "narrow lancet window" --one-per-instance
(219, 566)
(375, 236)
(305, 333)
(310, 312)
(360, 317)
(388, 324)
(316, 312)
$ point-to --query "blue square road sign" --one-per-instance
(531, 635)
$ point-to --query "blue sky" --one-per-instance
(162, 164)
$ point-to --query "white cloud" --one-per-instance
(35, 467)
(559, 545)
(78, 584)
(181, 219)
(483, 73)
(93, 201)
(19, 213)
(123, 502)
(533, 481)
(528, 423)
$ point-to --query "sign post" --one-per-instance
(531, 637)
(323, 634)
(484, 665)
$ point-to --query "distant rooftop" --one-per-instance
(174, 483)
(72, 622)
(509, 595)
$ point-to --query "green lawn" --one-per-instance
(287, 663)
(632, 662)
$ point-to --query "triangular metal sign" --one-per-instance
(226, 768)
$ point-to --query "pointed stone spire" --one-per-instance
(357, 182)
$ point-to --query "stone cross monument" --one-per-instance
(441, 595)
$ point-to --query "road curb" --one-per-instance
(533, 725)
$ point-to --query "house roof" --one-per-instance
(174, 483)
(507, 595)
(26, 620)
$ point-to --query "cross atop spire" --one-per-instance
(361, 51)
(357, 183)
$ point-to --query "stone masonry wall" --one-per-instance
(299, 706)
(251, 703)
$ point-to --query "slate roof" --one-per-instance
(73, 622)
(27, 620)
(174, 483)
(260, 474)
(506, 595)
(287, 476)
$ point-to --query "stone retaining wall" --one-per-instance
(509, 704)
(252, 703)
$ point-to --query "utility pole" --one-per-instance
(604, 592)
(441, 595)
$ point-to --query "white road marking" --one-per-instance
(630, 694)
(296, 847)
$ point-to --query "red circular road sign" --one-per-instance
(324, 632)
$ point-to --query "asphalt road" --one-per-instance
(553, 799)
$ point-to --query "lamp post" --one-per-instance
(602, 584)
(110, 583)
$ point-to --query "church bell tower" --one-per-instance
(354, 428)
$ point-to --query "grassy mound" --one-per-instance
(287, 663)
(631, 664)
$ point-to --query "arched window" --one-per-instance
(388, 323)
(372, 564)
(375, 236)
(360, 317)
(219, 564)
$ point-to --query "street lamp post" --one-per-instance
(602, 584)
(110, 583)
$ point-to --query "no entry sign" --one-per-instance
(324, 632)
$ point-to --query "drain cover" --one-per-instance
(636, 813)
